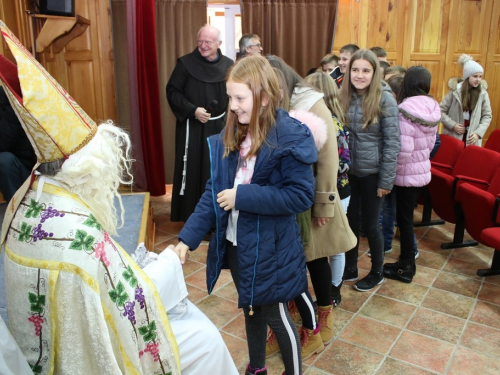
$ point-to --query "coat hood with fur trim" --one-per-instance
(455, 83)
(316, 125)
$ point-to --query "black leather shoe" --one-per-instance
(402, 270)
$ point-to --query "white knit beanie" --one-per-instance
(470, 66)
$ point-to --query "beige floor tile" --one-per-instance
(393, 366)
(448, 303)
(412, 293)
(434, 324)
(481, 339)
(467, 362)
(342, 358)
(371, 334)
(487, 314)
(424, 351)
(457, 284)
(388, 310)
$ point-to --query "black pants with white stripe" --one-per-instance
(275, 316)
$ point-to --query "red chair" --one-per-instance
(448, 153)
(491, 237)
(493, 142)
(444, 161)
(479, 206)
(476, 166)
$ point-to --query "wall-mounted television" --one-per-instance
(57, 7)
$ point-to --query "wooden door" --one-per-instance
(85, 67)
(425, 41)
(372, 23)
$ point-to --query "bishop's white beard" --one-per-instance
(95, 173)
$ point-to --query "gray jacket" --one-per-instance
(453, 113)
(375, 149)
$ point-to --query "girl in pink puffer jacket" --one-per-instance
(419, 116)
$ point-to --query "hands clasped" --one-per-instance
(201, 115)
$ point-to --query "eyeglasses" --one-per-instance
(255, 45)
(207, 42)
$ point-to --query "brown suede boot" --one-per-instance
(272, 346)
(294, 312)
(325, 318)
(311, 342)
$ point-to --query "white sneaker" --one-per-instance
(385, 252)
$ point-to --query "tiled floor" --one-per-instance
(446, 322)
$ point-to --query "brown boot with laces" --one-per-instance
(272, 346)
(311, 342)
(325, 318)
(294, 312)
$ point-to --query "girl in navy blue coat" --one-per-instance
(261, 177)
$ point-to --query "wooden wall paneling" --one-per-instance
(385, 27)
(348, 24)
(492, 68)
(23, 29)
(105, 56)
(425, 39)
(435, 68)
(372, 23)
(13, 13)
(469, 33)
(85, 66)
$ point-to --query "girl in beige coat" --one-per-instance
(466, 110)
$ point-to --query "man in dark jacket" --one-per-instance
(17, 157)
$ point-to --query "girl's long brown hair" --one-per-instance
(258, 75)
(470, 95)
(327, 86)
(371, 98)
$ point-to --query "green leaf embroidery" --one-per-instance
(148, 331)
(87, 243)
(25, 232)
(82, 241)
(92, 222)
(129, 276)
(34, 209)
(119, 295)
(37, 302)
(37, 369)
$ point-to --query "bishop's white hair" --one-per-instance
(95, 173)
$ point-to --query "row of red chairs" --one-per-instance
(465, 190)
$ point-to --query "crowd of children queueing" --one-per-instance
(302, 166)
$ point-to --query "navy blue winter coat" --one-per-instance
(271, 258)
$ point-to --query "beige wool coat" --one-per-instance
(335, 236)
(453, 113)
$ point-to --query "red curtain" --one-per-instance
(148, 96)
